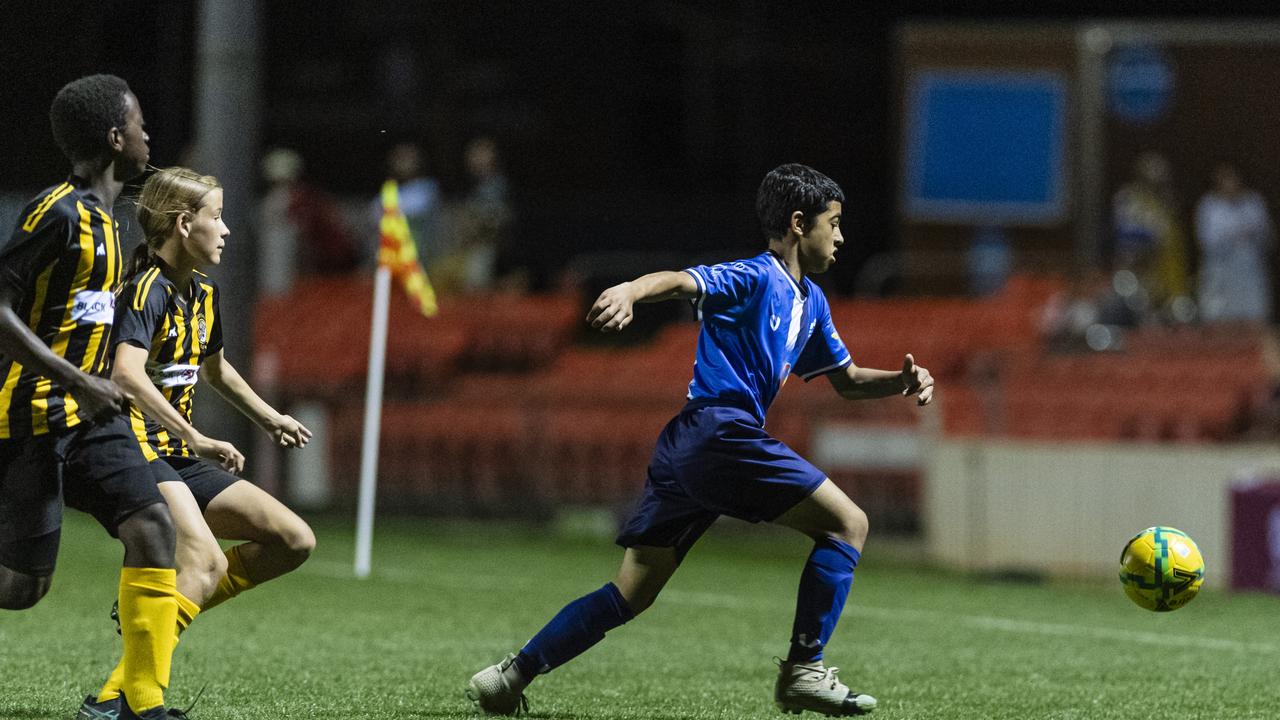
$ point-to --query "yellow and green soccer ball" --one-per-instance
(1161, 569)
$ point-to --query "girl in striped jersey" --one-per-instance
(168, 334)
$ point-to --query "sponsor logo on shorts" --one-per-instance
(175, 375)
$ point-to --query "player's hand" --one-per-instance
(98, 398)
(289, 433)
(916, 381)
(223, 453)
(612, 310)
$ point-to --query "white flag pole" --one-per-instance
(372, 421)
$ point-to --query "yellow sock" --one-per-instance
(187, 611)
(233, 583)
(148, 614)
(111, 690)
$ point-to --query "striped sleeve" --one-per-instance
(139, 310)
(43, 233)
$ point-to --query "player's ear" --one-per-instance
(115, 138)
(183, 223)
(797, 223)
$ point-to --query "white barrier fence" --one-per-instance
(1067, 509)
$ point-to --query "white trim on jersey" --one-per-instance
(702, 291)
(798, 286)
(797, 322)
(848, 360)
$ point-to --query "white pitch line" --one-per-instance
(426, 577)
(433, 577)
(985, 622)
(1032, 627)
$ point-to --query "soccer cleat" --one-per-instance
(91, 709)
(815, 687)
(499, 689)
(155, 713)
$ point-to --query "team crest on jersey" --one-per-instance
(201, 333)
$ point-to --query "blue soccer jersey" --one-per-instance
(758, 326)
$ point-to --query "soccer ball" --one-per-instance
(1161, 569)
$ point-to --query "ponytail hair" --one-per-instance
(166, 195)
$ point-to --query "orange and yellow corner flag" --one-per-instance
(397, 252)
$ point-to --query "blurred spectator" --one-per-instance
(278, 235)
(483, 220)
(1149, 240)
(1235, 236)
(1091, 314)
(420, 201)
(302, 228)
(990, 261)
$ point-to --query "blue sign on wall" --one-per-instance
(1139, 83)
(986, 147)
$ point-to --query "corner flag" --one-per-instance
(397, 251)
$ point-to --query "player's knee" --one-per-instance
(641, 599)
(153, 521)
(215, 568)
(149, 536)
(297, 541)
(854, 527)
(201, 571)
(20, 592)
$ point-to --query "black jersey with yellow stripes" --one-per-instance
(179, 328)
(63, 258)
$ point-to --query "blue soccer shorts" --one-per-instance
(714, 460)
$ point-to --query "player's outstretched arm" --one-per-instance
(97, 397)
(224, 378)
(129, 370)
(858, 383)
(613, 310)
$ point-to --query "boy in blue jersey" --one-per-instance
(762, 319)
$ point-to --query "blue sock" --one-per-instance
(579, 625)
(824, 585)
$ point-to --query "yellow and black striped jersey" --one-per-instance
(64, 259)
(179, 329)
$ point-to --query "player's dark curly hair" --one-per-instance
(84, 111)
(791, 187)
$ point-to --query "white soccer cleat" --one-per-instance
(815, 687)
(499, 689)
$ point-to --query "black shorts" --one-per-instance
(96, 468)
(204, 478)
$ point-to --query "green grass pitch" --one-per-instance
(447, 599)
